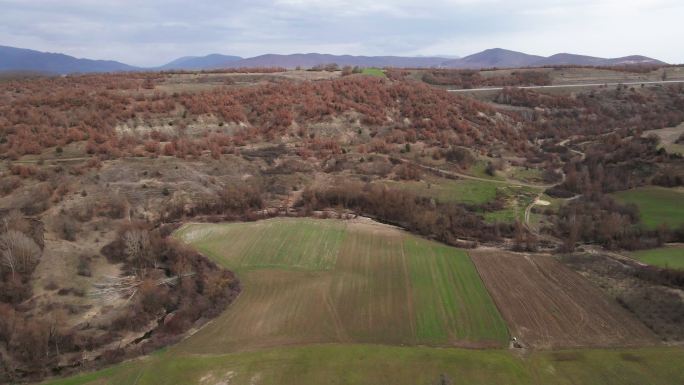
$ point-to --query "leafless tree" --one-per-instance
(138, 248)
(19, 252)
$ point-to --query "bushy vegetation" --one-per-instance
(473, 78)
(169, 288)
(88, 108)
(448, 222)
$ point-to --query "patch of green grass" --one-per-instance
(668, 257)
(537, 220)
(374, 72)
(375, 364)
(467, 191)
(657, 205)
(479, 170)
(474, 192)
(530, 175)
(449, 294)
(293, 244)
(517, 200)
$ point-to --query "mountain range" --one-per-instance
(19, 59)
(503, 58)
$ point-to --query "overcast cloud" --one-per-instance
(153, 32)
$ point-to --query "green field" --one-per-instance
(474, 192)
(316, 281)
(657, 205)
(375, 364)
(668, 257)
(292, 245)
(374, 72)
(356, 302)
(451, 190)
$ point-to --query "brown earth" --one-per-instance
(549, 306)
(645, 292)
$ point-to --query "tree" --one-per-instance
(138, 248)
(19, 252)
(490, 170)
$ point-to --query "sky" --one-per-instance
(153, 32)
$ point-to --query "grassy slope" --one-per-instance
(374, 72)
(670, 257)
(448, 190)
(656, 204)
(305, 244)
(475, 192)
(374, 364)
(310, 281)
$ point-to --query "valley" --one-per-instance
(272, 226)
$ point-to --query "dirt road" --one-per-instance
(570, 86)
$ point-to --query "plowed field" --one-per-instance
(548, 305)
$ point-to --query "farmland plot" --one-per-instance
(381, 364)
(315, 281)
(549, 306)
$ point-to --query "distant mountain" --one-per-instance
(495, 57)
(19, 59)
(633, 60)
(212, 61)
(570, 59)
(582, 60)
(313, 59)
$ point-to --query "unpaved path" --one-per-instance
(569, 86)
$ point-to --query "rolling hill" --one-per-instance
(201, 62)
(495, 57)
(19, 59)
(502, 58)
(583, 60)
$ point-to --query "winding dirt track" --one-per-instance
(546, 305)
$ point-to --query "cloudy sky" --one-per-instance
(153, 32)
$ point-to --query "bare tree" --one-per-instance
(19, 252)
(138, 248)
(15, 220)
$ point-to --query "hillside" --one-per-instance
(108, 183)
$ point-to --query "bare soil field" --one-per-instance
(649, 296)
(549, 306)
